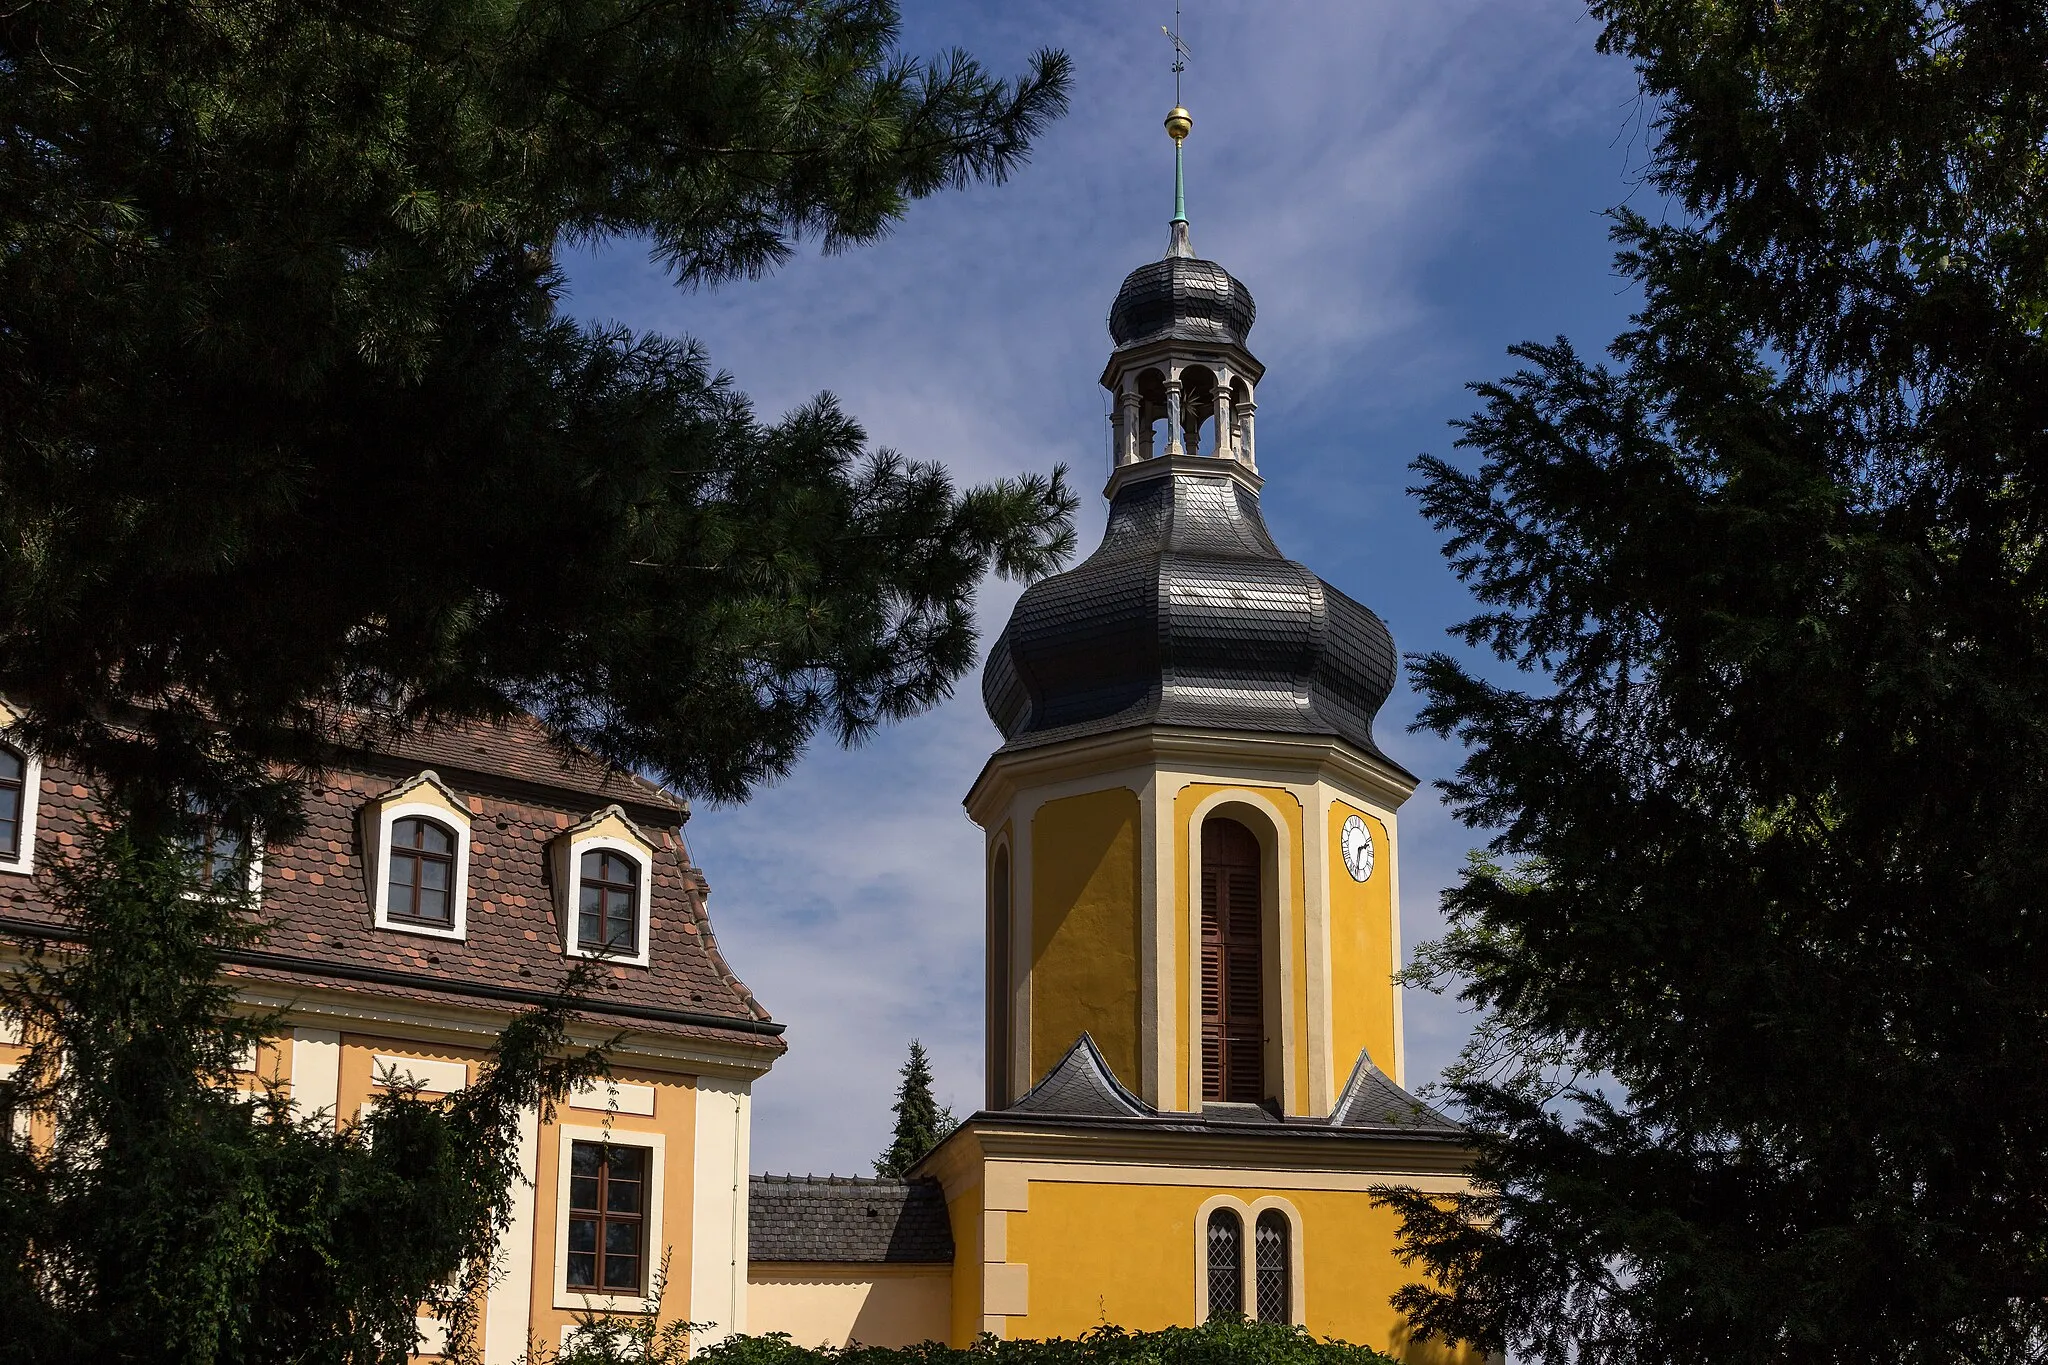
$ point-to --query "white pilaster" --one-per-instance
(718, 1212)
(508, 1311)
(316, 1072)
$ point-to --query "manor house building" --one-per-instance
(1192, 870)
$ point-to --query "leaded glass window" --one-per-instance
(1271, 1267)
(1226, 1265)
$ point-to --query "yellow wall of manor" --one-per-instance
(1126, 1254)
(1185, 904)
(1085, 929)
(1361, 950)
(674, 1119)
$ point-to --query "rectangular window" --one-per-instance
(607, 1218)
(13, 796)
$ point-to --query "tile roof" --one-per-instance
(519, 749)
(321, 926)
(846, 1219)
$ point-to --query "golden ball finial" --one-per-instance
(1179, 123)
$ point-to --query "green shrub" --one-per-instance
(1218, 1343)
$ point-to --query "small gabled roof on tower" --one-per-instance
(1371, 1100)
(1081, 1085)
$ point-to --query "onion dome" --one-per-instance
(1187, 614)
(1180, 298)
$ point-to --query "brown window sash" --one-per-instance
(607, 1218)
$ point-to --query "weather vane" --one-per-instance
(1180, 51)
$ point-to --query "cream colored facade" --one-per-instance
(687, 1104)
(822, 1303)
(368, 1000)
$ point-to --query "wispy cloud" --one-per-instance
(1378, 174)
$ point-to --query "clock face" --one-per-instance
(1358, 850)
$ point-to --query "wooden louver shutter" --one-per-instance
(1233, 977)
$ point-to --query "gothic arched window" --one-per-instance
(1233, 975)
(1271, 1267)
(1226, 1265)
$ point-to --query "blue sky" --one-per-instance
(1407, 189)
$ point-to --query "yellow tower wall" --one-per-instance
(1362, 950)
(1085, 927)
(1127, 1254)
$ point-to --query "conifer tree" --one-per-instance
(293, 427)
(1758, 943)
(921, 1122)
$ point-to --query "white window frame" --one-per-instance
(650, 1253)
(24, 862)
(253, 841)
(643, 910)
(458, 825)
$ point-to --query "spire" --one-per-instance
(1179, 122)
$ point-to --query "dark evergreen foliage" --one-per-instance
(1762, 1073)
(921, 1122)
(291, 427)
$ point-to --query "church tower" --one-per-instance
(1191, 833)
(1193, 913)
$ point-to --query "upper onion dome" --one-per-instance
(1181, 299)
(1187, 614)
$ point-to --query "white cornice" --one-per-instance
(1283, 1149)
(468, 1026)
(1225, 753)
(1193, 466)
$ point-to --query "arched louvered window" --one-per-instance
(13, 800)
(1271, 1267)
(999, 980)
(1226, 1265)
(1233, 976)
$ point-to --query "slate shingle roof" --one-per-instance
(846, 1219)
(1187, 614)
(521, 791)
(1080, 1088)
(1081, 1083)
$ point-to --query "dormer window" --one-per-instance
(222, 856)
(13, 801)
(20, 775)
(603, 870)
(416, 846)
(608, 912)
(422, 882)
